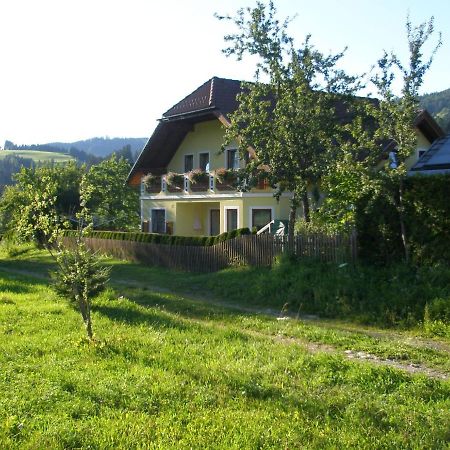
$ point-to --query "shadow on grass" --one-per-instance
(132, 315)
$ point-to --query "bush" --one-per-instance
(427, 219)
(165, 239)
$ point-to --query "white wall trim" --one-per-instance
(212, 196)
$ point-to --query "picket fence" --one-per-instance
(249, 250)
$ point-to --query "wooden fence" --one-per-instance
(244, 250)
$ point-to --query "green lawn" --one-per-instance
(173, 367)
(37, 156)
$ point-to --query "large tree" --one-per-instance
(288, 116)
(113, 204)
(396, 114)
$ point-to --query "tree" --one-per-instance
(79, 275)
(34, 185)
(290, 119)
(113, 205)
(396, 114)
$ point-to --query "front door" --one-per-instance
(158, 221)
(214, 222)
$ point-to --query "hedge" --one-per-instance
(427, 219)
(166, 239)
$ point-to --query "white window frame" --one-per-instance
(225, 210)
(209, 158)
(151, 221)
(184, 162)
(252, 208)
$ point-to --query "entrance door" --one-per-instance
(158, 221)
(214, 222)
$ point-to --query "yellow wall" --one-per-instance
(191, 218)
(206, 137)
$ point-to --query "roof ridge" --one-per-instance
(211, 91)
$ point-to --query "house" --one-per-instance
(184, 176)
(436, 160)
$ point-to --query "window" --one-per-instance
(188, 163)
(158, 220)
(421, 153)
(232, 159)
(261, 217)
(204, 161)
(231, 219)
(214, 222)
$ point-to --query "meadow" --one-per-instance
(176, 364)
(37, 156)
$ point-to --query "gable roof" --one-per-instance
(436, 159)
(213, 100)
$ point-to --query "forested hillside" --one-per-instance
(98, 146)
(438, 104)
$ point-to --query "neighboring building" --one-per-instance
(436, 160)
(189, 136)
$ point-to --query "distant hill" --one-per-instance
(98, 147)
(438, 105)
(103, 146)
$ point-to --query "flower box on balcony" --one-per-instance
(152, 183)
(199, 180)
(225, 179)
(175, 182)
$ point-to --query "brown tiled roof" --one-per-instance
(214, 98)
(216, 94)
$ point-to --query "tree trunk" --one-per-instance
(292, 220)
(305, 205)
(86, 315)
(401, 215)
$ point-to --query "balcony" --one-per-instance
(192, 182)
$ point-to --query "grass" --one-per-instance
(37, 156)
(173, 367)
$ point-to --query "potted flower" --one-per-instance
(152, 182)
(225, 179)
(174, 181)
(199, 179)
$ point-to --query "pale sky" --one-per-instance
(76, 69)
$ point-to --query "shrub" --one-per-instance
(162, 238)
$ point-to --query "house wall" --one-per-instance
(191, 218)
(206, 137)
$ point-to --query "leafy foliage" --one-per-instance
(287, 117)
(162, 238)
(112, 204)
(80, 277)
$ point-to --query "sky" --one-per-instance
(76, 69)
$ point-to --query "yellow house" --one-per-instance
(187, 192)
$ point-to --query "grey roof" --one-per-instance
(436, 159)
